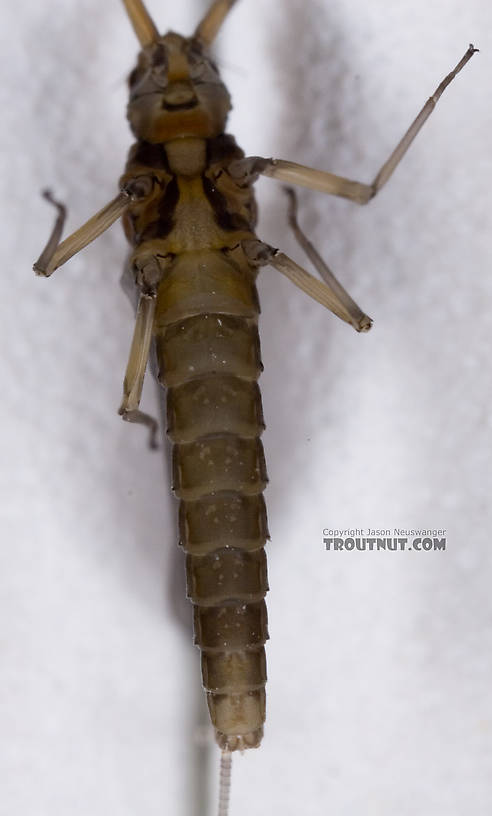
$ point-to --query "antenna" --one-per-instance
(141, 21)
(207, 29)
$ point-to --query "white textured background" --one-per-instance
(379, 664)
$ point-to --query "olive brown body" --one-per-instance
(189, 213)
(188, 233)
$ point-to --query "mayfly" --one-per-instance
(188, 208)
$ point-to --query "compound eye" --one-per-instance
(140, 71)
(203, 70)
(150, 74)
(158, 65)
(136, 76)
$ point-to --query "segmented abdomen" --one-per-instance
(209, 359)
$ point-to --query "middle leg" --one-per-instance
(135, 371)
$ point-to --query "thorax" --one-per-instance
(193, 204)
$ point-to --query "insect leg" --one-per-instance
(55, 255)
(207, 29)
(332, 297)
(141, 21)
(315, 258)
(358, 192)
(135, 370)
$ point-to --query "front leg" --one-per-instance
(291, 173)
(55, 254)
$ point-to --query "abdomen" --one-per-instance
(209, 359)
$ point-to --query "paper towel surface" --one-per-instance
(379, 663)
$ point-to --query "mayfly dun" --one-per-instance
(187, 205)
